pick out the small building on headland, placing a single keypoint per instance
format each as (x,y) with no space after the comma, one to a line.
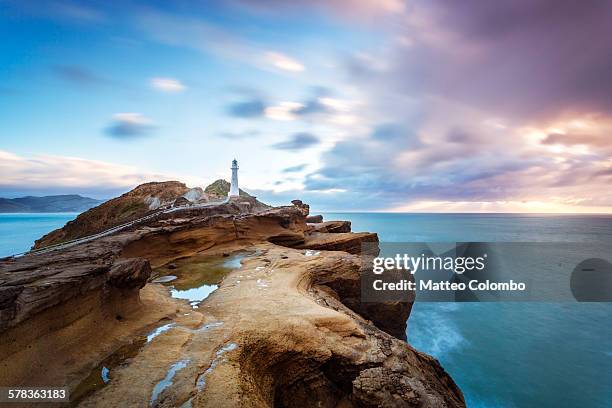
(246,202)
(234,191)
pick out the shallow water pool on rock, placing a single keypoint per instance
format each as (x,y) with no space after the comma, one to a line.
(192,279)
(195,278)
(101,375)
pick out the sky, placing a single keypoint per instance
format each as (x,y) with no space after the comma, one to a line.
(349,105)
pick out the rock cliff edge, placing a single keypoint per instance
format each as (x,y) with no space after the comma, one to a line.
(286,328)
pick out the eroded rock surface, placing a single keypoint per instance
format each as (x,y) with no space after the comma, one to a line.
(144,200)
(347,242)
(314,219)
(332,226)
(285,329)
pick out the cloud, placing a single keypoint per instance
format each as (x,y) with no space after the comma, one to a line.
(48,174)
(79,12)
(61,10)
(282,111)
(312,106)
(322,109)
(252,108)
(516,59)
(501,104)
(361,10)
(576,139)
(298,141)
(394,132)
(295,169)
(320,102)
(129,126)
(211,38)
(283,62)
(395,167)
(169,85)
(240,135)
(79,75)
(587,136)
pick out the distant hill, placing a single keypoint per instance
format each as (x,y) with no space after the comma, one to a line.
(54,203)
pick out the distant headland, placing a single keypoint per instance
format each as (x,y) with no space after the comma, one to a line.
(48,204)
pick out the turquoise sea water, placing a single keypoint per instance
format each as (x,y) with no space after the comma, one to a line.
(500,354)
(510,354)
(18,231)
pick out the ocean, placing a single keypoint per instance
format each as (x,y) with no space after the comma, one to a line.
(510,354)
(501,354)
(18,231)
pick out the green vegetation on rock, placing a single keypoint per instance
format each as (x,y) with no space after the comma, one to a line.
(221,188)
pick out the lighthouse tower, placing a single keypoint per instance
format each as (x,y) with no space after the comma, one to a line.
(234,191)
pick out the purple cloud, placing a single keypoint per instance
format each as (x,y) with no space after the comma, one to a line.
(521,59)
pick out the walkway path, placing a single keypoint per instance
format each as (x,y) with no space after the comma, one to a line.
(118,228)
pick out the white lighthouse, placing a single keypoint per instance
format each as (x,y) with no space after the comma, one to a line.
(234,191)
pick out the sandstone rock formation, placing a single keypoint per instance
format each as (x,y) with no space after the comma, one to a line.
(332,226)
(145,199)
(314,219)
(129,206)
(181,201)
(347,242)
(303,207)
(285,329)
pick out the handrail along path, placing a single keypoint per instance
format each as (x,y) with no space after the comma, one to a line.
(116,228)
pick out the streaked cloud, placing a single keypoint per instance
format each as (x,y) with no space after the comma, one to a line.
(247,134)
(283,62)
(129,125)
(48,174)
(170,85)
(465,109)
(298,141)
(214,39)
(361,10)
(79,75)
(311,107)
(282,111)
(591,132)
(252,108)
(547,206)
(295,169)
(59,10)
(78,12)
(503,58)
(418,105)
(494,170)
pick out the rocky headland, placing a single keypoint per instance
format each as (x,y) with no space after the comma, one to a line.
(283,326)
